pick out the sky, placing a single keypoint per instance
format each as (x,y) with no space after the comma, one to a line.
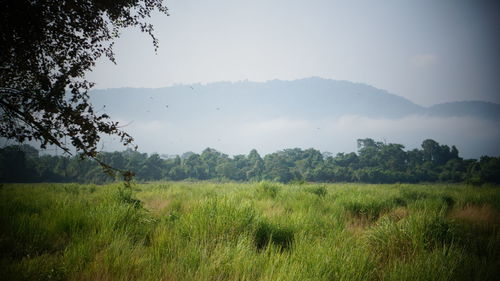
(426,51)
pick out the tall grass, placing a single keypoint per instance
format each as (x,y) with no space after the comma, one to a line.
(258,231)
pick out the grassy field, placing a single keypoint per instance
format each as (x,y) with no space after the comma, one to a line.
(259,231)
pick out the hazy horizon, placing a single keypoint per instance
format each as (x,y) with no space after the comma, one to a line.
(180,84)
(426,51)
(324,114)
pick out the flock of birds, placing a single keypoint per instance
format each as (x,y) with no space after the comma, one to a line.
(166,106)
(218,109)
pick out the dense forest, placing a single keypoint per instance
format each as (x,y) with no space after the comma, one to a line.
(375,162)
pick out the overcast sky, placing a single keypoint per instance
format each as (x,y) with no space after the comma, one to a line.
(427,51)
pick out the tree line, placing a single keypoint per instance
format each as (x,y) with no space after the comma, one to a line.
(374,162)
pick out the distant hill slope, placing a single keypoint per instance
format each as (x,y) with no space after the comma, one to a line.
(466,108)
(310,98)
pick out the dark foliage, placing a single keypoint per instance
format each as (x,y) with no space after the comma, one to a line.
(267,233)
(46,48)
(371,165)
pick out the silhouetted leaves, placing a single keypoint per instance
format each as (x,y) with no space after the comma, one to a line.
(47,46)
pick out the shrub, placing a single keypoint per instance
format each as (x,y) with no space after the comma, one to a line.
(269,189)
(448,200)
(439,232)
(318,190)
(125,196)
(369,209)
(217,220)
(267,233)
(411,195)
(390,240)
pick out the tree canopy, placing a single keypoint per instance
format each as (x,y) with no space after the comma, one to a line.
(47,46)
(375,163)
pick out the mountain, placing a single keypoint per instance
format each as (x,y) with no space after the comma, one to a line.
(480,109)
(325,114)
(310,98)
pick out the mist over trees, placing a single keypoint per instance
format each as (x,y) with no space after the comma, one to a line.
(309,112)
(374,162)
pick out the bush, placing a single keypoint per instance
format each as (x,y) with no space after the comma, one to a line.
(216,219)
(269,189)
(411,195)
(125,196)
(267,233)
(318,190)
(369,209)
(390,240)
(439,232)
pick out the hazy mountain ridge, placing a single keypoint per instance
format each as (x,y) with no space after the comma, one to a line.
(312,98)
(480,109)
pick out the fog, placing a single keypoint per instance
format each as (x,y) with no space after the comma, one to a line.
(427,52)
(472,136)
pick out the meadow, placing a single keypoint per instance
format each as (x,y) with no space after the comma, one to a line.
(249,231)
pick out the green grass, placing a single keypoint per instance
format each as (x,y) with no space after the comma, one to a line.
(259,231)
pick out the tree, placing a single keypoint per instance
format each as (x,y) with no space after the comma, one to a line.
(368,151)
(211,158)
(152,167)
(393,157)
(256,166)
(438,154)
(311,158)
(13,165)
(47,46)
(227,169)
(195,167)
(277,166)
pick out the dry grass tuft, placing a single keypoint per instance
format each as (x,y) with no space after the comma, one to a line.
(398,214)
(358,224)
(156,205)
(484,214)
(275,211)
